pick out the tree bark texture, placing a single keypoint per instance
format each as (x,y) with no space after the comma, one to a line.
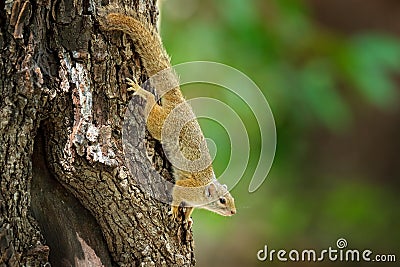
(67,197)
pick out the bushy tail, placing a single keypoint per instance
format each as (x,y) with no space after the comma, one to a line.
(147,41)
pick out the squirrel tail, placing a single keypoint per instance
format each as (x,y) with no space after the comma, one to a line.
(147,41)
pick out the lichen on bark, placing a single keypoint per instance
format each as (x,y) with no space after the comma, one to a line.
(67,196)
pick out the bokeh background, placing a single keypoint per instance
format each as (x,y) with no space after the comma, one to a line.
(330,70)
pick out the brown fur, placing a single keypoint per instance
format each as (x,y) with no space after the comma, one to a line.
(173,123)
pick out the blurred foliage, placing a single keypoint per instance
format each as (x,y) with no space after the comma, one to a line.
(313,78)
(298,64)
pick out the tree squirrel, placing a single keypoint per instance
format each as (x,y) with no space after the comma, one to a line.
(195,184)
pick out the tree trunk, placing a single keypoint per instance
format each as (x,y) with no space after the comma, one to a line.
(67,197)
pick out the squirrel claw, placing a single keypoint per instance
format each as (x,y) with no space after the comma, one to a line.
(134,86)
(174,212)
(131,81)
(186,219)
(189,221)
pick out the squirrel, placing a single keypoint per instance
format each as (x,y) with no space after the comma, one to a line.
(195,183)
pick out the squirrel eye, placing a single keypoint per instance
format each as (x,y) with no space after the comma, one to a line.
(222,200)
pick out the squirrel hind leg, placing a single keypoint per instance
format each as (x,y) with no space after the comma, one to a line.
(155,114)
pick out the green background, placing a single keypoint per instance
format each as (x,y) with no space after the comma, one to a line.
(330,70)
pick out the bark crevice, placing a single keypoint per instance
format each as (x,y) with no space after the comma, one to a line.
(66,193)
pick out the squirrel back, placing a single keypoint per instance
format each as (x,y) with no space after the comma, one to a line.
(181,126)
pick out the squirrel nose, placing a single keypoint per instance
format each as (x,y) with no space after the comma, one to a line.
(233,212)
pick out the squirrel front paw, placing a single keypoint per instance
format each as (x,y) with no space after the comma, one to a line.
(174,212)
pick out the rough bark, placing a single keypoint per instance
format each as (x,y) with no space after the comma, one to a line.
(67,196)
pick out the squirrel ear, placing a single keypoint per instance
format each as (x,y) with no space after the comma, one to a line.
(224,186)
(211,190)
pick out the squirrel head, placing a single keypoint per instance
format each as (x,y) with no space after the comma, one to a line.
(218,199)
(190,191)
